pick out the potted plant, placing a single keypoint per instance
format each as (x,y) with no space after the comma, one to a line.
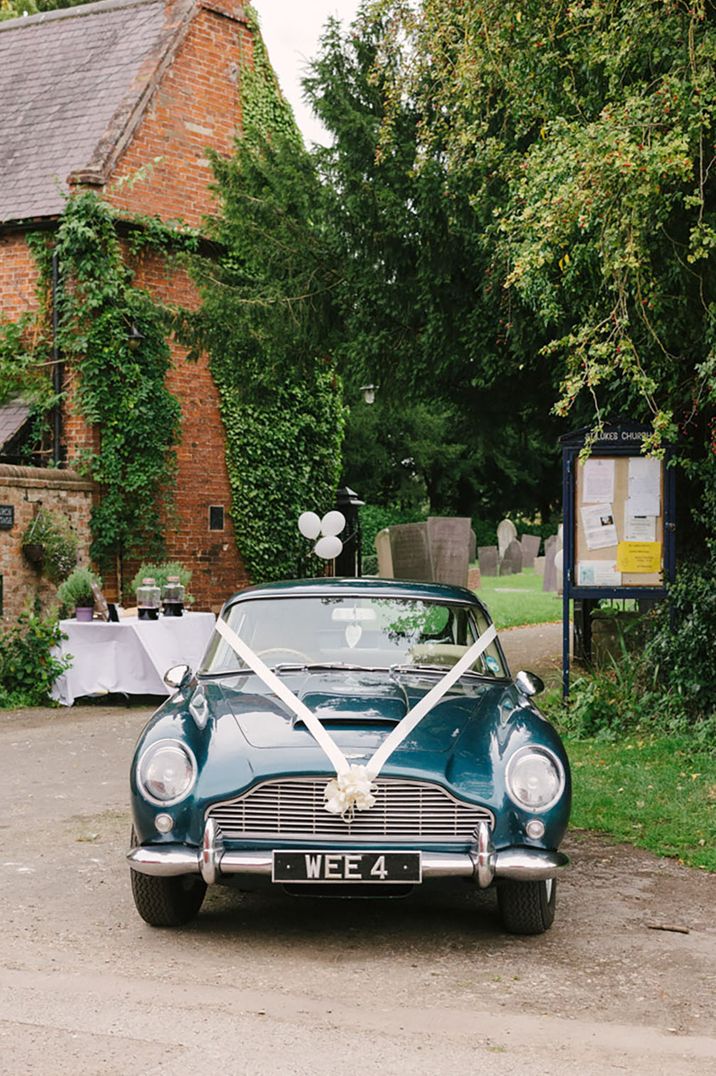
(76,593)
(50,545)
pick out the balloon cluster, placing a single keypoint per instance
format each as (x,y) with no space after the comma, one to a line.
(326,530)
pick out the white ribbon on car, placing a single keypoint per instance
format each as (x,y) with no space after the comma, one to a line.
(353,788)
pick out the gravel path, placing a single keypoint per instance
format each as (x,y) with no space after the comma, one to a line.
(535,648)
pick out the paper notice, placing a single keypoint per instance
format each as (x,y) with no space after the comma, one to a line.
(598,481)
(644,497)
(598,573)
(638,528)
(639,557)
(599,528)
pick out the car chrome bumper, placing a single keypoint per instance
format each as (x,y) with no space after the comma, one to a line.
(482,863)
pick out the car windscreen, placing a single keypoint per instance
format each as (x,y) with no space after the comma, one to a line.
(364,632)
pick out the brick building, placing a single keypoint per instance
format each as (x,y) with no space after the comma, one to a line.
(91,95)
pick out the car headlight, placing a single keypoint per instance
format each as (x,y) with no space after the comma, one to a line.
(535,778)
(166,772)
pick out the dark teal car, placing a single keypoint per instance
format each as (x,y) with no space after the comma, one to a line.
(429,761)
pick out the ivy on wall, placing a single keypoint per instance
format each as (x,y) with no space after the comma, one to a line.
(280,396)
(118,388)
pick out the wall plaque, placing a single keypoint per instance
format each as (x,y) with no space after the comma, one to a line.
(7,517)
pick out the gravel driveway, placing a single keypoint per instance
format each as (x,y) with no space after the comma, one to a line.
(269,984)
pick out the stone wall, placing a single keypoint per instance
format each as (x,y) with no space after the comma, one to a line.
(28,489)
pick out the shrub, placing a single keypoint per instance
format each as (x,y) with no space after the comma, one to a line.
(28,669)
(76,591)
(160,573)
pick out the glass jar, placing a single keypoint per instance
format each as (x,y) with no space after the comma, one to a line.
(173,597)
(148,600)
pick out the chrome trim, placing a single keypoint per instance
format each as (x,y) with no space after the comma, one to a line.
(482,855)
(138,771)
(535,750)
(529,864)
(292,809)
(212,849)
(522,864)
(164,861)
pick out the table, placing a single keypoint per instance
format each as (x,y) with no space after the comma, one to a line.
(129,657)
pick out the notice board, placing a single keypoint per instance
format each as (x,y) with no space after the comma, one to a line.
(619,522)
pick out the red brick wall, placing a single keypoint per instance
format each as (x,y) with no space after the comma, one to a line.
(18,277)
(195,106)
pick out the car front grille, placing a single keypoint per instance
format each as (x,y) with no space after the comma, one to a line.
(294,810)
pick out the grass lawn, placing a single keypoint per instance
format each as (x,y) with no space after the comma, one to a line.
(657,793)
(514,600)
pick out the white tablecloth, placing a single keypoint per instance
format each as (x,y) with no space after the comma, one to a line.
(129,657)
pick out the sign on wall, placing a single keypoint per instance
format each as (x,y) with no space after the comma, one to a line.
(7,517)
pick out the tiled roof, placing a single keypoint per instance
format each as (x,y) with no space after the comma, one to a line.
(73,84)
(13,417)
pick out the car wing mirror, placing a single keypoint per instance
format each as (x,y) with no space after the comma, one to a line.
(177,677)
(529,683)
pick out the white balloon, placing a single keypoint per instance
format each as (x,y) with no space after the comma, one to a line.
(332,524)
(328,547)
(309,525)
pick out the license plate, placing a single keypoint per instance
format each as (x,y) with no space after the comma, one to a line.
(346,867)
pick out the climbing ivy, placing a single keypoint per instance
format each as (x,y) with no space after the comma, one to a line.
(120,390)
(280,396)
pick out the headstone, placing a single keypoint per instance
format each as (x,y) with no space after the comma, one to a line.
(449,541)
(487,556)
(473,579)
(506,533)
(410,552)
(385,559)
(558,569)
(512,560)
(530,548)
(560,537)
(549,581)
(539,565)
(473,546)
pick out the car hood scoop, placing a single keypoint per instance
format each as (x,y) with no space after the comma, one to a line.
(358,711)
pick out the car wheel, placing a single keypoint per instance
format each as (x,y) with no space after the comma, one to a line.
(167,902)
(527,907)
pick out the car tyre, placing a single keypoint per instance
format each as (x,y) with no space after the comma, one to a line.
(167,902)
(527,907)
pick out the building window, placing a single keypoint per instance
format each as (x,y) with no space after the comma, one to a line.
(216,517)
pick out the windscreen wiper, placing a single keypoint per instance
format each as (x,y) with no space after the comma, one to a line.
(441,669)
(325,666)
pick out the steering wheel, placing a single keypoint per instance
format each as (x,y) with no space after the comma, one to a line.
(283,650)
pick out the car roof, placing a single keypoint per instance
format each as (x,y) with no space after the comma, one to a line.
(369,586)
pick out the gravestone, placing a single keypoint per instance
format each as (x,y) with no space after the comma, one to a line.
(473,546)
(410,552)
(487,556)
(473,579)
(530,548)
(549,581)
(560,537)
(512,560)
(385,559)
(539,565)
(449,542)
(558,570)
(506,533)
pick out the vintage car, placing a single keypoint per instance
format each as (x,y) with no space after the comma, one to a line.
(350,736)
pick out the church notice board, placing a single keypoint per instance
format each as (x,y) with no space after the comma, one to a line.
(619,514)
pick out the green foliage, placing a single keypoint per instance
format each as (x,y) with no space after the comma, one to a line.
(13,9)
(657,792)
(76,591)
(53,532)
(160,573)
(27,667)
(266,321)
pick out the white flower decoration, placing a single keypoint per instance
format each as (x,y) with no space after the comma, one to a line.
(350,792)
